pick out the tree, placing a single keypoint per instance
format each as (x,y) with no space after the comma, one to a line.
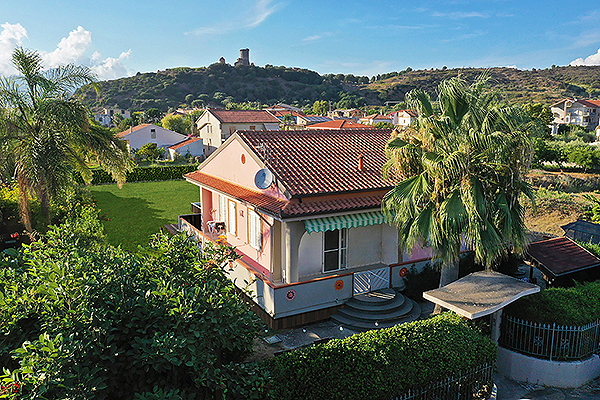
(46,133)
(320,107)
(462,167)
(177,123)
(150,152)
(152,115)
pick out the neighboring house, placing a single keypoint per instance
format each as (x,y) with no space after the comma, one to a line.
(577,112)
(105,118)
(301,120)
(338,124)
(308,120)
(404,118)
(353,113)
(139,135)
(216,125)
(283,107)
(374,119)
(303,210)
(192,146)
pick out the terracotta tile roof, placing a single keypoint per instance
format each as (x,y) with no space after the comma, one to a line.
(254,197)
(133,129)
(317,162)
(282,113)
(243,116)
(339,124)
(293,209)
(184,143)
(587,103)
(376,116)
(561,256)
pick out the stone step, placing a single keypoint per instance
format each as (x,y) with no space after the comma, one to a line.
(361,326)
(379,297)
(383,314)
(397,302)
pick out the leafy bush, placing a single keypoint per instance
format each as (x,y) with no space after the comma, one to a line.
(79,319)
(418,282)
(381,364)
(150,151)
(576,305)
(138,174)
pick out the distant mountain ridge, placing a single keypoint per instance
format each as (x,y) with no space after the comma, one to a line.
(221,83)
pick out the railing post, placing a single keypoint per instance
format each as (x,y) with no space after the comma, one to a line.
(552,341)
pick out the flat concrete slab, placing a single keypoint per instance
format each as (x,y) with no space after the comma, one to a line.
(480,293)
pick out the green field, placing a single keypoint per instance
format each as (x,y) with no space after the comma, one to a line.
(140,209)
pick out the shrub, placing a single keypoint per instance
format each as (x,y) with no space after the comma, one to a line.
(137,174)
(380,364)
(85,320)
(576,305)
(418,282)
(150,151)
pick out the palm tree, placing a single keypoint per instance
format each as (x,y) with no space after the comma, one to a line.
(45,133)
(461,168)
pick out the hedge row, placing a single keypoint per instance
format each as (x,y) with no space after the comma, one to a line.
(381,364)
(576,305)
(137,174)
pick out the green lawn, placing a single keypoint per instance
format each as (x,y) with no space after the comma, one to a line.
(141,209)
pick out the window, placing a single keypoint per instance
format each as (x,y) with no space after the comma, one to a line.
(254,230)
(252,127)
(335,246)
(231,218)
(223,209)
(152,133)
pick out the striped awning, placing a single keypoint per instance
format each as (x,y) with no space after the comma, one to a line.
(345,221)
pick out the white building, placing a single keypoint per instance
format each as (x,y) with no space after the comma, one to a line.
(139,135)
(577,112)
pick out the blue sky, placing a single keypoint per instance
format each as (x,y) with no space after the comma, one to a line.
(120,38)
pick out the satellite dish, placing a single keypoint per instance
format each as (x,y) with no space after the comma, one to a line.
(263,178)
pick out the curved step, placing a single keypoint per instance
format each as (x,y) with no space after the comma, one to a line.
(378,297)
(361,326)
(397,302)
(382,314)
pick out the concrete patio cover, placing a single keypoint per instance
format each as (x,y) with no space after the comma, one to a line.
(480,293)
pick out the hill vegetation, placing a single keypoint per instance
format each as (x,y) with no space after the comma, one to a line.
(220,84)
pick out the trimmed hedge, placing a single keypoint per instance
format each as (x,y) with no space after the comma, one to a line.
(381,364)
(137,174)
(576,305)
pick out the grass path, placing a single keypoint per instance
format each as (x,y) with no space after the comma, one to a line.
(140,209)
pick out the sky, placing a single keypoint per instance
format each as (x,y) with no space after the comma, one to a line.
(120,38)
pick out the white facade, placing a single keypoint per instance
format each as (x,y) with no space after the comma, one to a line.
(194,148)
(140,135)
(577,112)
(403,118)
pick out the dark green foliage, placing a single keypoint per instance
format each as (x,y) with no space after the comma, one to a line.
(144,174)
(576,305)
(83,320)
(421,281)
(150,152)
(380,364)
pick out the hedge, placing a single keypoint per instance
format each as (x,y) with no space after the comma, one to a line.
(381,364)
(137,174)
(576,305)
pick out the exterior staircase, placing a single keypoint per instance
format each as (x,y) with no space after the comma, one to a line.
(376,310)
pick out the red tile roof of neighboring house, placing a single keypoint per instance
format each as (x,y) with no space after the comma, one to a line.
(561,256)
(131,130)
(376,116)
(339,124)
(587,103)
(243,116)
(317,162)
(184,143)
(282,113)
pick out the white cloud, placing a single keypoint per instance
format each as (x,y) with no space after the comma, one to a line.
(110,68)
(594,59)
(70,50)
(250,17)
(460,15)
(11,36)
(312,38)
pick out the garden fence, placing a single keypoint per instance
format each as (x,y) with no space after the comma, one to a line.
(474,383)
(550,341)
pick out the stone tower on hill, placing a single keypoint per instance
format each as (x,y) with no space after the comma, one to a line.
(244,57)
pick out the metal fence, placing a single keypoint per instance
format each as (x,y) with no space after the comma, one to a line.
(475,383)
(550,341)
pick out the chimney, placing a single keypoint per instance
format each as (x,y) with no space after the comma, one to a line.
(361,162)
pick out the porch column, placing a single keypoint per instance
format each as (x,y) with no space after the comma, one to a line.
(292,234)
(496,321)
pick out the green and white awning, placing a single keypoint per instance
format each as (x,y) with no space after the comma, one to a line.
(345,221)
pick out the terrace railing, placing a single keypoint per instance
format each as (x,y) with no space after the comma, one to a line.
(475,383)
(550,341)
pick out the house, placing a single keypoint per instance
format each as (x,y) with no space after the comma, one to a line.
(137,136)
(576,111)
(105,118)
(301,120)
(404,118)
(192,146)
(353,113)
(338,124)
(303,210)
(216,125)
(374,119)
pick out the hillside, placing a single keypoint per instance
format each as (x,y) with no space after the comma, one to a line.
(222,83)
